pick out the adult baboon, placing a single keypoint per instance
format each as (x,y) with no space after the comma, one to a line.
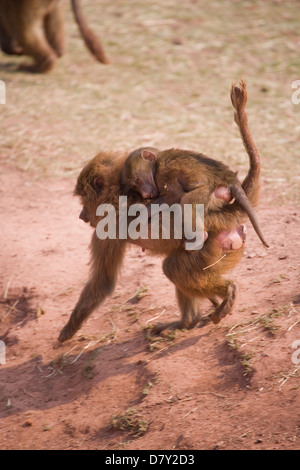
(194,276)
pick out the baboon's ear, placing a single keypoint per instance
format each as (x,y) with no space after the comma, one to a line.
(98,184)
(149,156)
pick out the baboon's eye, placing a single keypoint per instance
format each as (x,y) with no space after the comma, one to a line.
(98,184)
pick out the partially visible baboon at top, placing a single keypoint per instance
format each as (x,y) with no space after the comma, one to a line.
(36,28)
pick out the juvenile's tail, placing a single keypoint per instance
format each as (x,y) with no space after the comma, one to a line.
(90,39)
(243,201)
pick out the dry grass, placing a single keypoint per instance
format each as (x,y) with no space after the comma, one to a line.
(168,85)
(131,422)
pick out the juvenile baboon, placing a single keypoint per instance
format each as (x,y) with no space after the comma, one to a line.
(36,28)
(194,276)
(180,176)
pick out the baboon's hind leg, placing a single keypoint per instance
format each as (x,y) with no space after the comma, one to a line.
(189,314)
(55,30)
(8,43)
(35,45)
(228,290)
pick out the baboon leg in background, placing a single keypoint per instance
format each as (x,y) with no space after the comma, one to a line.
(35,44)
(8,43)
(55,30)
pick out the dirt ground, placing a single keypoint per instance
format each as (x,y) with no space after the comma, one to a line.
(230,386)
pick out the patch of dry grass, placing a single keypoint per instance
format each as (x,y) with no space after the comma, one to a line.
(130,421)
(168,85)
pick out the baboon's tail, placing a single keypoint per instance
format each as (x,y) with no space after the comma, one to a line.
(243,201)
(90,39)
(239,99)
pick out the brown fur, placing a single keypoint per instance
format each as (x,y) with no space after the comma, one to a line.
(36,28)
(194,275)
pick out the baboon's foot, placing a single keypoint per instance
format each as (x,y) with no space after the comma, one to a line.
(176,325)
(66,333)
(43,66)
(203,321)
(226,306)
